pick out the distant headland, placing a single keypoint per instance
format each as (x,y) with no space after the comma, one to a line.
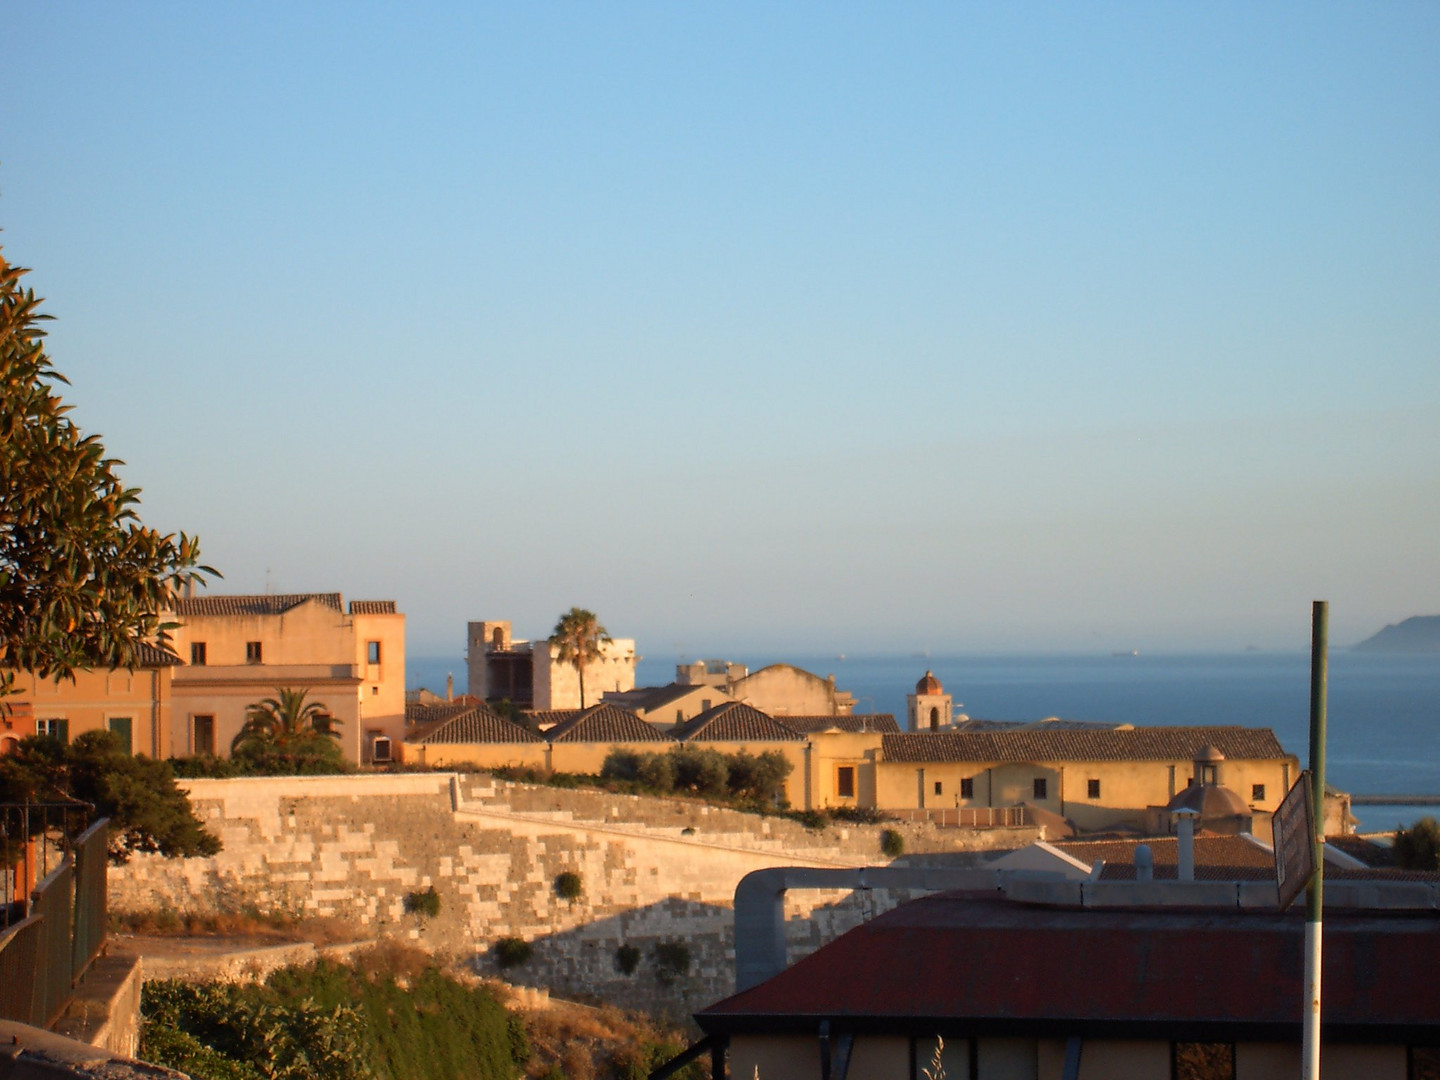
(1417,634)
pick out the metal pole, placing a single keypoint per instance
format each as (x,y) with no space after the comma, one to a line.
(1315,892)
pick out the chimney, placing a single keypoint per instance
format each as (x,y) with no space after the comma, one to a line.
(1185,844)
(449,687)
(1144,863)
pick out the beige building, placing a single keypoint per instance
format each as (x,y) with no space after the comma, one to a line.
(786,690)
(668,706)
(242,649)
(929,708)
(135,705)
(527,673)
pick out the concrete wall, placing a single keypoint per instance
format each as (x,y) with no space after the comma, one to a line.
(653,870)
(557,685)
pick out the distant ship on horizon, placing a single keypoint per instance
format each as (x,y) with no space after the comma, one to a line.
(1132,652)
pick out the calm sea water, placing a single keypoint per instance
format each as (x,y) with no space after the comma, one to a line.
(1383,711)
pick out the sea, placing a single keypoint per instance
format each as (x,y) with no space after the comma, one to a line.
(1383,712)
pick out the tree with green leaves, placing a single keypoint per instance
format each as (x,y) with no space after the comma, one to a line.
(82,582)
(286,735)
(1418,847)
(579,639)
(147,811)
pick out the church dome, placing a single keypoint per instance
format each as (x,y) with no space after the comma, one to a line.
(1209,801)
(929,685)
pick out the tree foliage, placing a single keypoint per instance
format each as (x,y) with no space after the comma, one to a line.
(82,582)
(1418,847)
(147,811)
(287,736)
(744,778)
(579,639)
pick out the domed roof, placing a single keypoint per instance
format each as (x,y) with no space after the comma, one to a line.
(929,685)
(1209,801)
(1209,752)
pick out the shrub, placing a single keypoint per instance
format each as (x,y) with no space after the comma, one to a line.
(568,886)
(892,844)
(672,959)
(512,951)
(627,959)
(701,772)
(812,819)
(1418,847)
(620,765)
(425,902)
(657,772)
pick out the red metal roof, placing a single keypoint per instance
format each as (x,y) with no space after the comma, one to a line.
(958,961)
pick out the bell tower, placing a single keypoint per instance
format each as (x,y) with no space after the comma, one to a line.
(929,706)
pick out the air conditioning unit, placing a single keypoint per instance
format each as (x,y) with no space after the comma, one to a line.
(380,749)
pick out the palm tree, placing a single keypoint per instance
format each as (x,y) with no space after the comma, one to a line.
(286,719)
(579,639)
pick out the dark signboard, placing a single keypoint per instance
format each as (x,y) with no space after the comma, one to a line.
(1294,828)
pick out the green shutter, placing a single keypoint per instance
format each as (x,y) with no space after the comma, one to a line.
(120,725)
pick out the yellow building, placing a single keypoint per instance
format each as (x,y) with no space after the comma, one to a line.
(135,705)
(242,649)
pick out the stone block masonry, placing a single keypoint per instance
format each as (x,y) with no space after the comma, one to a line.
(652,872)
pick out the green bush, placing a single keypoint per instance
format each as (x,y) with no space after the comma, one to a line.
(672,960)
(425,902)
(892,843)
(812,819)
(568,886)
(512,951)
(627,959)
(1418,847)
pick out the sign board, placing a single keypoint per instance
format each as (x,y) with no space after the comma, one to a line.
(1294,828)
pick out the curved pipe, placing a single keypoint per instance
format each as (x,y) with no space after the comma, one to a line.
(760,904)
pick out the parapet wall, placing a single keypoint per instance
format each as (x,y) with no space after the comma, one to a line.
(652,871)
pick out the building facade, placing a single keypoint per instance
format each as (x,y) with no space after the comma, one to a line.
(528,673)
(239,650)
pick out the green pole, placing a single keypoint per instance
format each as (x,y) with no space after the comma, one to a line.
(1315,892)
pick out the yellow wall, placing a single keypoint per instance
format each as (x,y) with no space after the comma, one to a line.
(782,690)
(479,755)
(588,757)
(94,698)
(829,752)
(1126,787)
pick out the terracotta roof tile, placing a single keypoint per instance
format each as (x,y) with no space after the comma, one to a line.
(806,725)
(476,724)
(421,713)
(549,718)
(605,723)
(1126,744)
(372,607)
(267,604)
(733,721)
(154,656)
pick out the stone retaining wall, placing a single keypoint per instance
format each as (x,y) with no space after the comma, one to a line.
(652,871)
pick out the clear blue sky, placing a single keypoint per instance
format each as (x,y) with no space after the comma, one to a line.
(804,327)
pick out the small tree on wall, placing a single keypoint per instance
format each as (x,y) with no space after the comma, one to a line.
(579,639)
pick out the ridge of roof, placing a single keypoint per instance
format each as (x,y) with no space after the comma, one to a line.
(476,724)
(735,721)
(605,723)
(253,604)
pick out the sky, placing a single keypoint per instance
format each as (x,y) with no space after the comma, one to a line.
(986,328)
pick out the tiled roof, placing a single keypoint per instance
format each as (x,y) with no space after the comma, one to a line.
(268,604)
(655,697)
(1217,858)
(549,718)
(1131,744)
(154,656)
(733,721)
(372,607)
(605,723)
(476,724)
(806,725)
(417,713)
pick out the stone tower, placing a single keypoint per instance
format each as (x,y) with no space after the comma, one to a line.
(929,706)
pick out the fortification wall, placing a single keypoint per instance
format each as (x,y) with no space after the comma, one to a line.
(652,871)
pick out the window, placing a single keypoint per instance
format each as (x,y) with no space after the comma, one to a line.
(1041,788)
(704,704)
(1257,792)
(1092,789)
(202,737)
(1209,774)
(197,653)
(55,726)
(679,716)
(934,718)
(123,729)
(845,781)
(380,748)
(939,788)
(252,652)
(967,787)
(374,691)
(372,652)
(324,723)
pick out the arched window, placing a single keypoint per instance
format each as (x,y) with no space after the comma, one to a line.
(497,639)
(934,718)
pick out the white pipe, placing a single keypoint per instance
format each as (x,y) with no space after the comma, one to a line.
(1310,1043)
